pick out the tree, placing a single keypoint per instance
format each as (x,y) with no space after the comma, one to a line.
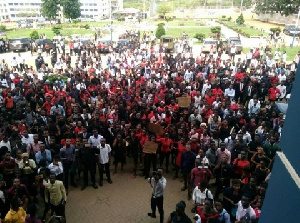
(34,35)
(71,9)
(49,8)
(163,9)
(284,7)
(160,31)
(240,20)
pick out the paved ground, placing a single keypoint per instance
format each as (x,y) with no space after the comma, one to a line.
(126,200)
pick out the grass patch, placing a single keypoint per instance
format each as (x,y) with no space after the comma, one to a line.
(49,33)
(291,52)
(191,31)
(244,29)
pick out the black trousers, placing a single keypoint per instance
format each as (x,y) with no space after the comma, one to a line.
(59,210)
(101,168)
(86,170)
(67,167)
(164,155)
(159,203)
(150,158)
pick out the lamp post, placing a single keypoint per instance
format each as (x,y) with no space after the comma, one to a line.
(111,31)
(241,9)
(296,27)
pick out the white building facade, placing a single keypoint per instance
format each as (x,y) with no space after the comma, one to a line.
(16,10)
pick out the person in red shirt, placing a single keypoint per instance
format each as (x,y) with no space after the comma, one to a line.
(273,93)
(166,145)
(239,164)
(180,149)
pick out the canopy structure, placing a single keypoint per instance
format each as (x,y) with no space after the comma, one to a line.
(281,203)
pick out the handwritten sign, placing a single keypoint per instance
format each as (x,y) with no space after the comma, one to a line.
(184,102)
(150,147)
(156,128)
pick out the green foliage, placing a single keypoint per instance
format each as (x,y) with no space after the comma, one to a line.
(86,26)
(75,21)
(161,24)
(240,20)
(56,30)
(223,16)
(284,7)
(229,19)
(164,8)
(2,28)
(71,9)
(216,29)
(200,37)
(34,35)
(49,8)
(121,19)
(275,29)
(54,77)
(160,31)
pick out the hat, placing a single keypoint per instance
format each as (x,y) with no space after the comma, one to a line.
(25,155)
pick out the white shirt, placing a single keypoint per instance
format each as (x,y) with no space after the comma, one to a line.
(199,196)
(229,92)
(2,197)
(104,153)
(95,141)
(158,187)
(56,169)
(241,212)
(7,144)
(28,140)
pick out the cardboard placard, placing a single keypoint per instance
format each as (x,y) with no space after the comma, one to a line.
(184,102)
(156,128)
(150,147)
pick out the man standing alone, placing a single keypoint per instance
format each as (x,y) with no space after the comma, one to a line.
(104,161)
(158,184)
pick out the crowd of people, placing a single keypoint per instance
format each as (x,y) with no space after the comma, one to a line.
(54,132)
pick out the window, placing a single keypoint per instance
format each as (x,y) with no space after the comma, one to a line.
(90,4)
(95,10)
(86,10)
(82,10)
(16,4)
(95,4)
(10,4)
(21,4)
(11,9)
(13,15)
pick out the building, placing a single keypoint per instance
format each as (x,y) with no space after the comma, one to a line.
(16,10)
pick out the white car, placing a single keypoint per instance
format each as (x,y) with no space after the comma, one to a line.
(209,45)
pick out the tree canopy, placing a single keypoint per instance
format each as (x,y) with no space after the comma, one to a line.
(284,7)
(49,8)
(71,9)
(164,8)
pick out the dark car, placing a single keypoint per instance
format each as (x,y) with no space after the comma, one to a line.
(20,44)
(291,30)
(105,46)
(42,42)
(121,45)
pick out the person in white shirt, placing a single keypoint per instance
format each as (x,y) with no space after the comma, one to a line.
(56,168)
(282,89)
(104,161)
(95,139)
(26,138)
(245,212)
(5,142)
(230,92)
(200,193)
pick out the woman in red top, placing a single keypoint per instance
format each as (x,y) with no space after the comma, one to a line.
(239,164)
(207,211)
(180,149)
(166,145)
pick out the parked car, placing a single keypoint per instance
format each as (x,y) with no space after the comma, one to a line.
(233,40)
(42,42)
(20,44)
(168,42)
(105,46)
(209,45)
(121,44)
(291,29)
